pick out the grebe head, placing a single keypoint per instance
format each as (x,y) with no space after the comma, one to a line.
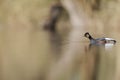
(87,35)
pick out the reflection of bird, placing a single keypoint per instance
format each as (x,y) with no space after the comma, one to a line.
(99,41)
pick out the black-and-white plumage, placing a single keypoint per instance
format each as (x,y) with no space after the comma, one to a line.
(100,41)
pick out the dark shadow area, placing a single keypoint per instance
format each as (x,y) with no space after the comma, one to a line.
(96,5)
(54,15)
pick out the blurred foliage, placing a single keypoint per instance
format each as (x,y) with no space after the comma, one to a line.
(31,10)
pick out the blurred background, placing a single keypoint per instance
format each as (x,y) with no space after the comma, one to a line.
(44,39)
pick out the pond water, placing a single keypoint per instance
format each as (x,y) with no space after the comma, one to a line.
(33,54)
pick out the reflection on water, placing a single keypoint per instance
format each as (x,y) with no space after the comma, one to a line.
(42,55)
(55,42)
